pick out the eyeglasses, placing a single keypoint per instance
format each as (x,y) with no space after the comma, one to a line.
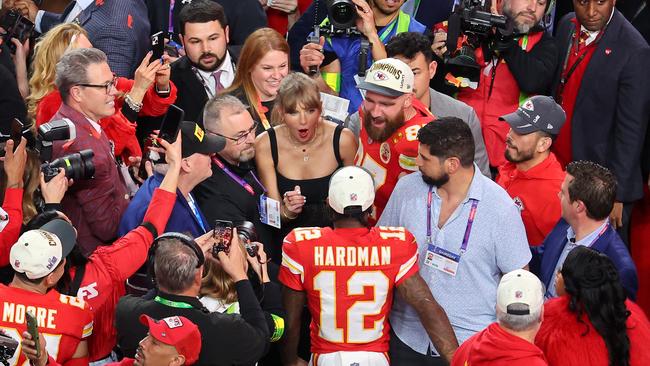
(240,138)
(107,85)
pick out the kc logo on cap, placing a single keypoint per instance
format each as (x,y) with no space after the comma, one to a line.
(390,77)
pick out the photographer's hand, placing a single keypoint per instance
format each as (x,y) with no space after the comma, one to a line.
(366,21)
(54,190)
(145,75)
(259,263)
(14,163)
(20,61)
(28,348)
(439,46)
(234,263)
(173,159)
(205,242)
(311,54)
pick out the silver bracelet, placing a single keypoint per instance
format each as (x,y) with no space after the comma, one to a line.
(132,104)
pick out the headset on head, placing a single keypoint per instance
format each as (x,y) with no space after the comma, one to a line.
(184,239)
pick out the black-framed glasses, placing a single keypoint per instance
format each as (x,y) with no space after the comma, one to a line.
(107,85)
(241,137)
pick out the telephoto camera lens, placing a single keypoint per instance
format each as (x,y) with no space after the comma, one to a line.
(342,13)
(77,166)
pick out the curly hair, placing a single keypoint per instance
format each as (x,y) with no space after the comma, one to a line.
(594,288)
(47,52)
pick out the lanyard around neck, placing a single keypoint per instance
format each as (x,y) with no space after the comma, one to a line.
(173,304)
(468,227)
(239,180)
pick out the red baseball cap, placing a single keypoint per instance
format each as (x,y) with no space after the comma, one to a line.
(177,331)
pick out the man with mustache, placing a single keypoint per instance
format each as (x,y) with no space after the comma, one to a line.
(603,87)
(516,66)
(469,233)
(390,118)
(208,65)
(533,176)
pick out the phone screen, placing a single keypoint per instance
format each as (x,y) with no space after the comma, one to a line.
(16,132)
(171,123)
(223,234)
(157,46)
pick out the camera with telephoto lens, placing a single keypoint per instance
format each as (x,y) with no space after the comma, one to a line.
(470,26)
(248,236)
(77,166)
(15,26)
(8,347)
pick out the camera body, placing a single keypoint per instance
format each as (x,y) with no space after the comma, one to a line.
(16,26)
(8,347)
(471,26)
(77,166)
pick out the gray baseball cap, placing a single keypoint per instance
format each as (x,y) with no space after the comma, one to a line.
(538,113)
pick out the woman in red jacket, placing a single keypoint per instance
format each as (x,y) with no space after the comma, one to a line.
(149,94)
(592,323)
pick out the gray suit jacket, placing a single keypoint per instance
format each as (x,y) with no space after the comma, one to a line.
(445,106)
(120,28)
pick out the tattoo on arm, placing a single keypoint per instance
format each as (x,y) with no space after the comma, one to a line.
(433,317)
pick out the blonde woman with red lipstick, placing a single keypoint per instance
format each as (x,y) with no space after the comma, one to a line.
(296,157)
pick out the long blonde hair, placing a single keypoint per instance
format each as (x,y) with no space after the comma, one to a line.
(47,52)
(218,284)
(258,44)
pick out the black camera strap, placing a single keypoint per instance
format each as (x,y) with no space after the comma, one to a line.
(79,273)
(575,43)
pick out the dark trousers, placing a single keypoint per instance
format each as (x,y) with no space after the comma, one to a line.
(402,355)
(624,231)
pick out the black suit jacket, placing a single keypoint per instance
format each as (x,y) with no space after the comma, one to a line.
(191,93)
(611,110)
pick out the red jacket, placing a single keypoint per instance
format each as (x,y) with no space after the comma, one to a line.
(504,99)
(109,267)
(567,342)
(117,127)
(535,193)
(95,205)
(495,347)
(13,206)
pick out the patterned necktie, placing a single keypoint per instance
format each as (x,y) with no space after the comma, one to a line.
(584,35)
(217,81)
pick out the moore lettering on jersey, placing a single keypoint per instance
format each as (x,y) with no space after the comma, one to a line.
(15,313)
(351,256)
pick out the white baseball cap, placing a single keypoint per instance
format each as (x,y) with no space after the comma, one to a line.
(351,190)
(38,252)
(520,287)
(390,77)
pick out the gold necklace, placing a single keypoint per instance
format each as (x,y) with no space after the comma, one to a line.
(304,147)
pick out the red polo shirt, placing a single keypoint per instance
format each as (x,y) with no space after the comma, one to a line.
(562,145)
(535,191)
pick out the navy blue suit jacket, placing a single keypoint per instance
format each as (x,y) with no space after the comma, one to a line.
(120,28)
(181,220)
(613,103)
(609,243)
